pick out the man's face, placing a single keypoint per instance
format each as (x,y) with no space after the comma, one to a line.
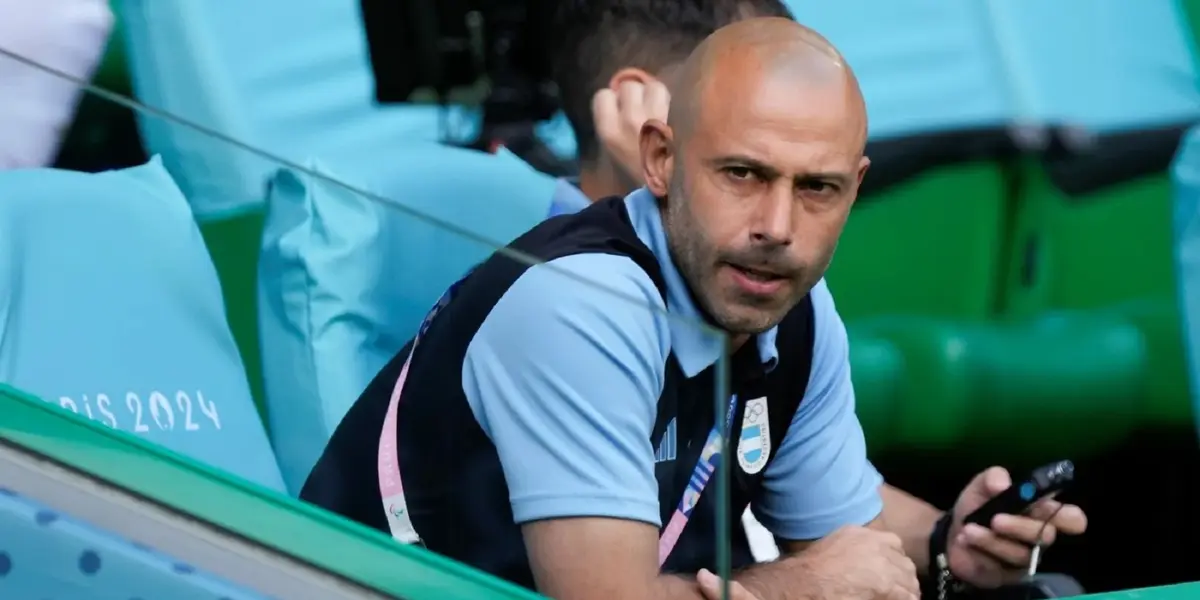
(759,190)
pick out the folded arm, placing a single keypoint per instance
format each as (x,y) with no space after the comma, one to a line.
(595,559)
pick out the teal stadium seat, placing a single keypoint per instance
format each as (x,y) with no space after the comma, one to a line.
(110,308)
(345,279)
(1187,253)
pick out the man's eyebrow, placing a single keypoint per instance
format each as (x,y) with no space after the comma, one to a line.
(739,160)
(769,172)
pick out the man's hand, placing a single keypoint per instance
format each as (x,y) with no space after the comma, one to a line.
(857,563)
(618,115)
(989,558)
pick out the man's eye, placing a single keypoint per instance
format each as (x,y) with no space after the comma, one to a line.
(819,187)
(739,173)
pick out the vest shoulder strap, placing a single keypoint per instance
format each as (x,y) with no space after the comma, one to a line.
(788,382)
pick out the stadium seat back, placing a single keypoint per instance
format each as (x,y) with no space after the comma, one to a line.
(345,280)
(110,308)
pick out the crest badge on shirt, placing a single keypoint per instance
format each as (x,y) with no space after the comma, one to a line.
(754,445)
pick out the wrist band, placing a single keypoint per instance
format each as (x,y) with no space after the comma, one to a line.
(939,540)
(943,584)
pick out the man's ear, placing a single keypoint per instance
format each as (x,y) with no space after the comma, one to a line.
(864,163)
(657,145)
(627,74)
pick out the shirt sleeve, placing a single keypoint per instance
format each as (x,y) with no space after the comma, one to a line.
(820,479)
(564,377)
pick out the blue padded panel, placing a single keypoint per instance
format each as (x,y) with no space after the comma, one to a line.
(293,80)
(110,307)
(1186,176)
(924,65)
(48,555)
(344,280)
(1106,65)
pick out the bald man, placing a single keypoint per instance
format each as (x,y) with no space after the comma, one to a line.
(636,93)
(554,425)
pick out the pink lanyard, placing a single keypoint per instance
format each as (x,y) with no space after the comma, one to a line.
(710,458)
(391,490)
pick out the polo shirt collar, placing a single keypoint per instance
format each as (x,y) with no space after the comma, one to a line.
(696,347)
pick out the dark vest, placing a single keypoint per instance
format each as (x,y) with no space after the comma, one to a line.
(454,484)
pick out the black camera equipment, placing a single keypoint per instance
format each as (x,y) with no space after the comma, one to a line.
(448,44)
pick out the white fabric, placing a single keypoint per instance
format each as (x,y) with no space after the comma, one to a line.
(36,107)
(762,543)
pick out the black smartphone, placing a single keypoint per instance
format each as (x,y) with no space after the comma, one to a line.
(1042,482)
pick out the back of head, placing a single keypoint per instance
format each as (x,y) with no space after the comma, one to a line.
(594,39)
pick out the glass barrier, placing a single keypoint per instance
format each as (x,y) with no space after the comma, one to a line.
(252,279)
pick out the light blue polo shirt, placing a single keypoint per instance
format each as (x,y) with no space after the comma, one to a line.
(570,404)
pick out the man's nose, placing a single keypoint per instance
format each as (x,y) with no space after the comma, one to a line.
(773,224)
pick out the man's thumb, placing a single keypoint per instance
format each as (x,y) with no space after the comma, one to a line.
(710,584)
(993,481)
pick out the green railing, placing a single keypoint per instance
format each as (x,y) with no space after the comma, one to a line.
(301,537)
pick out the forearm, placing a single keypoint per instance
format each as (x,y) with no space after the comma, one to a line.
(785,579)
(913,520)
